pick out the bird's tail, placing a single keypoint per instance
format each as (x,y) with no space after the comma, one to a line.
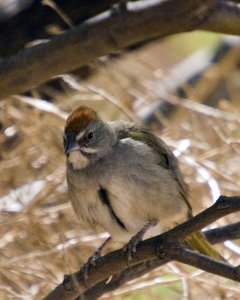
(198,242)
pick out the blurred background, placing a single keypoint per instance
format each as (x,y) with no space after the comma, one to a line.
(186,88)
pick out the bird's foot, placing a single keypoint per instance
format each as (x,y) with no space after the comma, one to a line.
(90,262)
(92,259)
(131,247)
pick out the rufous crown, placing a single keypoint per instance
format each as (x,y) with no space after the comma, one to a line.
(79,118)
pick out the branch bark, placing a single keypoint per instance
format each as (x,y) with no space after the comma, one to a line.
(119,279)
(226,11)
(107,33)
(217,235)
(33,18)
(159,250)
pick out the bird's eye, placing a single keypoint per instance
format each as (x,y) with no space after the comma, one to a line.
(90,136)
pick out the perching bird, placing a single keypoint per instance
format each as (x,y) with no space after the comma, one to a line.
(123,179)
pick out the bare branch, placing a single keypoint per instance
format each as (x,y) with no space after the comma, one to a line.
(206,263)
(224,17)
(164,247)
(119,279)
(219,235)
(19,18)
(107,33)
(222,207)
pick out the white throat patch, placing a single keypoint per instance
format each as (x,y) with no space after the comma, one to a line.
(77,160)
(89,150)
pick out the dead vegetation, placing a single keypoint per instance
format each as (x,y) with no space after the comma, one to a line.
(40,238)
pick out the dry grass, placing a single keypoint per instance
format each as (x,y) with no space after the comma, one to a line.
(40,238)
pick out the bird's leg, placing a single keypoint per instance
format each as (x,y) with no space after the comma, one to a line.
(92,259)
(130,247)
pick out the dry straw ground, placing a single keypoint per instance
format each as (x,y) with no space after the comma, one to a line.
(40,238)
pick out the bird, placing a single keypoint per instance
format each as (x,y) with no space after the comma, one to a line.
(123,179)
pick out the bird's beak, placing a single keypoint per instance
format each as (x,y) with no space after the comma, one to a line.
(71,146)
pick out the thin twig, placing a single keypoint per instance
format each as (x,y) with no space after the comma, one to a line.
(203,109)
(205,263)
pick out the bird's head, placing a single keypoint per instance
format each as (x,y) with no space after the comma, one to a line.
(86,137)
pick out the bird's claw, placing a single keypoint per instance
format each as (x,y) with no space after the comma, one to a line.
(90,262)
(131,247)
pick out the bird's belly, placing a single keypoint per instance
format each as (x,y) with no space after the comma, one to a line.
(137,203)
(125,236)
(95,215)
(135,200)
(136,212)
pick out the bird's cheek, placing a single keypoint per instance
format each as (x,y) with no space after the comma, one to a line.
(78,160)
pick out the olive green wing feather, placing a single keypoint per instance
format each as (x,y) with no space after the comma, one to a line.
(168,161)
(166,158)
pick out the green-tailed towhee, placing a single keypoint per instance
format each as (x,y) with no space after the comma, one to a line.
(123,179)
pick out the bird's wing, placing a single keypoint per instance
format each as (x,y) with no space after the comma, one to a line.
(166,158)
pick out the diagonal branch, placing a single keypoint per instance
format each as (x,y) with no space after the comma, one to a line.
(34,18)
(217,235)
(205,263)
(224,17)
(222,207)
(165,247)
(119,279)
(107,33)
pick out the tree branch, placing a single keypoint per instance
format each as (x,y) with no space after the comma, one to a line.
(217,235)
(165,247)
(224,17)
(33,18)
(106,33)
(119,279)
(205,263)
